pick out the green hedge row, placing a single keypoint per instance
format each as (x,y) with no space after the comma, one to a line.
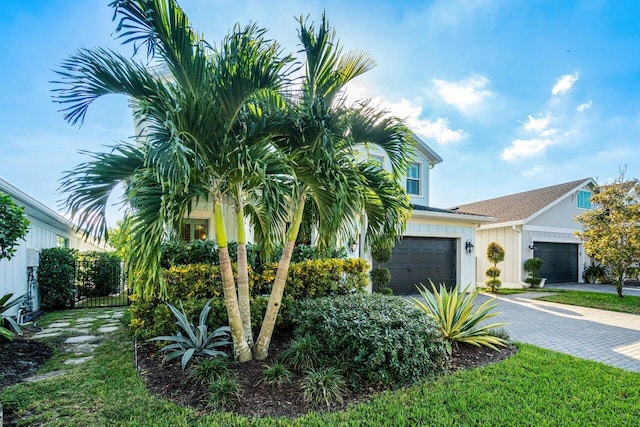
(196,283)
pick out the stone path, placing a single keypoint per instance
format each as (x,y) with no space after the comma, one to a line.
(603,336)
(80,342)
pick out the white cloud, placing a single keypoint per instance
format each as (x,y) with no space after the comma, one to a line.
(584,106)
(537,125)
(465,95)
(564,83)
(437,130)
(525,148)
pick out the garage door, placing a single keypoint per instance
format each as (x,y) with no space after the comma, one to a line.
(417,259)
(559,261)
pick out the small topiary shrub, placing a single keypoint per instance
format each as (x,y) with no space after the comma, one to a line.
(377,339)
(495,254)
(56,278)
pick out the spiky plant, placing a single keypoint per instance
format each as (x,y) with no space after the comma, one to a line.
(4,306)
(458,317)
(276,375)
(196,340)
(325,385)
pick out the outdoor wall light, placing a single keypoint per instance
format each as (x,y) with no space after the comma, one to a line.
(353,246)
(532,246)
(468,247)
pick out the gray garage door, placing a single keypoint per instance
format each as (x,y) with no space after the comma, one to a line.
(559,261)
(417,259)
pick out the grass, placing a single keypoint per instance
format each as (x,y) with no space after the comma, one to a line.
(628,304)
(535,387)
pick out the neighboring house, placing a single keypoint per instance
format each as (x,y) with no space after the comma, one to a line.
(438,244)
(538,223)
(47,229)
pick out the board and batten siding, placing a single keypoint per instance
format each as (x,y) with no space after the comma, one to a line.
(510,239)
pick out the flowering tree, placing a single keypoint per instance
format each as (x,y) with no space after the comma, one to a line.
(611,231)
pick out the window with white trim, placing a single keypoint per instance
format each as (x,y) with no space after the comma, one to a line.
(584,199)
(62,242)
(194,229)
(413,178)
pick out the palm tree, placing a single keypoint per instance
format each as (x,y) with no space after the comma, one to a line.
(204,122)
(320,138)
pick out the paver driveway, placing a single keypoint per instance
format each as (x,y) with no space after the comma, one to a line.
(600,335)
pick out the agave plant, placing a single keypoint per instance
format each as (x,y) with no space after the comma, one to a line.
(4,306)
(196,340)
(458,317)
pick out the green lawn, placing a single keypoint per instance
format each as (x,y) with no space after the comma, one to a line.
(535,387)
(628,304)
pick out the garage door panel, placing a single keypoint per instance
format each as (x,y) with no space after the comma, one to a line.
(559,261)
(415,260)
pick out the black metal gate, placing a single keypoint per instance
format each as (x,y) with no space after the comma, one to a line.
(100,283)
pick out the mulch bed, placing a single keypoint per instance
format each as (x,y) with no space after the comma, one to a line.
(20,359)
(261,400)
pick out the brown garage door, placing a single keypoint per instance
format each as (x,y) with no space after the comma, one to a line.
(417,259)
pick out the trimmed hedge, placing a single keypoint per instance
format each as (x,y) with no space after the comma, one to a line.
(195,284)
(56,278)
(374,339)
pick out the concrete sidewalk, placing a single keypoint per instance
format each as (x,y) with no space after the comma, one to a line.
(603,336)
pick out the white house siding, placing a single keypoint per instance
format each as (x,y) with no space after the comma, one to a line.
(423,227)
(204,210)
(510,239)
(560,216)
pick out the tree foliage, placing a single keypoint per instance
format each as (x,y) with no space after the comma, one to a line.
(611,230)
(13,226)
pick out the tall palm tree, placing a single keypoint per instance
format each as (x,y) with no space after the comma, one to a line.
(204,124)
(320,139)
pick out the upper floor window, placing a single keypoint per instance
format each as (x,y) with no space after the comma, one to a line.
(413,178)
(584,199)
(194,229)
(62,242)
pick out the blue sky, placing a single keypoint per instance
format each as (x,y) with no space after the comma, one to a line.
(513,95)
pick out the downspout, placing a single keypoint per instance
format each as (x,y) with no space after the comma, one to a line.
(522,284)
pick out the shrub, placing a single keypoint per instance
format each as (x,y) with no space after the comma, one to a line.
(380,277)
(276,375)
(324,385)
(381,254)
(98,274)
(595,273)
(13,226)
(5,305)
(495,254)
(303,353)
(56,278)
(317,278)
(303,252)
(224,392)
(458,317)
(196,341)
(377,339)
(384,290)
(532,266)
(209,369)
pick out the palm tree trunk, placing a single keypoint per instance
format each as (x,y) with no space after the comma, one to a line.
(243,279)
(261,350)
(240,346)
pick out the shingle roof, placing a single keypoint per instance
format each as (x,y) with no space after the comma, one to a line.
(520,206)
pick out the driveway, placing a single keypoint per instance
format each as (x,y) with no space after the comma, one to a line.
(603,336)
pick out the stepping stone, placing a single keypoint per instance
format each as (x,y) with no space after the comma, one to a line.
(47,376)
(81,331)
(46,334)
(78,361)
(118,315)
(59,325)
(104,316)
(85,319)
(81,339)
(80,349)
(107,329)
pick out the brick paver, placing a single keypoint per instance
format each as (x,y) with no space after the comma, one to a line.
(604,336)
